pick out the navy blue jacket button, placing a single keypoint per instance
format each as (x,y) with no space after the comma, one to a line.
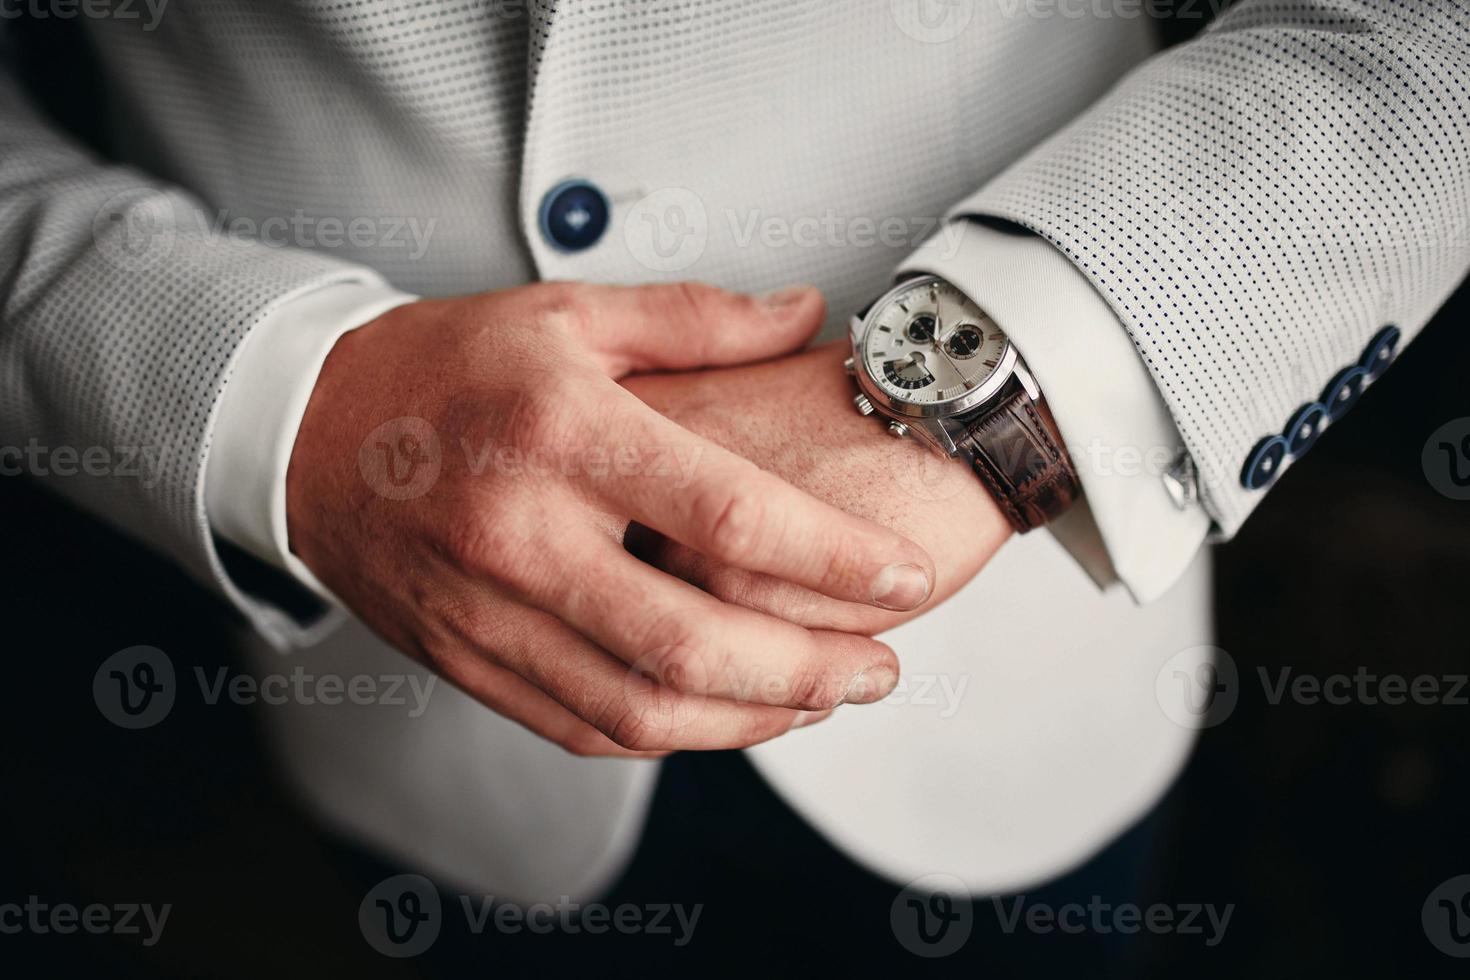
(574,215)
(1379,353)
(1343,391)
(1304,428)
(1263,463)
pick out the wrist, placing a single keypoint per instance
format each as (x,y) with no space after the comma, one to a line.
(934,366)
(265,399)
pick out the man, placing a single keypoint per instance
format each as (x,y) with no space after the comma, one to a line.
(538,488)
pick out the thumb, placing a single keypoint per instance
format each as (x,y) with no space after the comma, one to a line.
(685,326)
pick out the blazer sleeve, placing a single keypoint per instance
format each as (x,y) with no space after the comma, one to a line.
(1271,209)
(121,315)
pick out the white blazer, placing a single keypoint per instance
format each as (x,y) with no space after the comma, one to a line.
(1260,218)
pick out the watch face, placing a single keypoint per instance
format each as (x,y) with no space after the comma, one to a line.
(928,344)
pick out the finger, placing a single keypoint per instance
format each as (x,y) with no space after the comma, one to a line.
(683,326)
(728,508)
(507,694)
(629,708)
(693,643)
(753,590)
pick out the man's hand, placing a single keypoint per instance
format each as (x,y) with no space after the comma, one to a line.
(466,471)
(795,418)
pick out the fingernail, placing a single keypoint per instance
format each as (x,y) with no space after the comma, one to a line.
(784,298)
(869,686)
(901,587)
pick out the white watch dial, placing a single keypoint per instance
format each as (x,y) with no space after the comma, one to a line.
(930,344)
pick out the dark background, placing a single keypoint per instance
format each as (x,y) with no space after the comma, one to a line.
(1327,826)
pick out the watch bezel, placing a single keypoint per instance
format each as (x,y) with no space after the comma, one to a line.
(892,405)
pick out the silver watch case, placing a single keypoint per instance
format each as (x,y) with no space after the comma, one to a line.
(940,426)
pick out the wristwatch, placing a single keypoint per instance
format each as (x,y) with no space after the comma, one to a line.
(927,358)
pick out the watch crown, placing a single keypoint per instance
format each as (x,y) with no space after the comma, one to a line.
(849,366)
(864,406)
(897,429)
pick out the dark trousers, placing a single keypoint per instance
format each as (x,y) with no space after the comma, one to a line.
(775,898)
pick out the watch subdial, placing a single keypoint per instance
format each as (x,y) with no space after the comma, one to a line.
(964,343)
(921,328)
(909,372)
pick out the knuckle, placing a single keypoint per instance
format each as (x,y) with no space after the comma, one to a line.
(733,519)
(466,620)
(815,689)
(697,302)
(841,566)
(564,307)
(447,655)
(691,300)
(630,728)
(548,414)
(486,544)
(682,657)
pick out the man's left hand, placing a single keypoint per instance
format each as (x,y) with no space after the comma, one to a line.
(795,418)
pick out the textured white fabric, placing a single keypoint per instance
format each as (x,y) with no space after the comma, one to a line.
(1257,204)
(1291,179)
(261,412)
(1115,425)
(1004,760)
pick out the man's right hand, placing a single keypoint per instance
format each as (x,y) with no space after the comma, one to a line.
(466,471)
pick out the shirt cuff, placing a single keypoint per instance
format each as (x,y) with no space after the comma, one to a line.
(1111,416)
(264,402)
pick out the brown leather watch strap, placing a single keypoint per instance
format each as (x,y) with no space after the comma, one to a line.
(1020,458)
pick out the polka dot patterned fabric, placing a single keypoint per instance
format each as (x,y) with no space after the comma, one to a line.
(1256,205)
